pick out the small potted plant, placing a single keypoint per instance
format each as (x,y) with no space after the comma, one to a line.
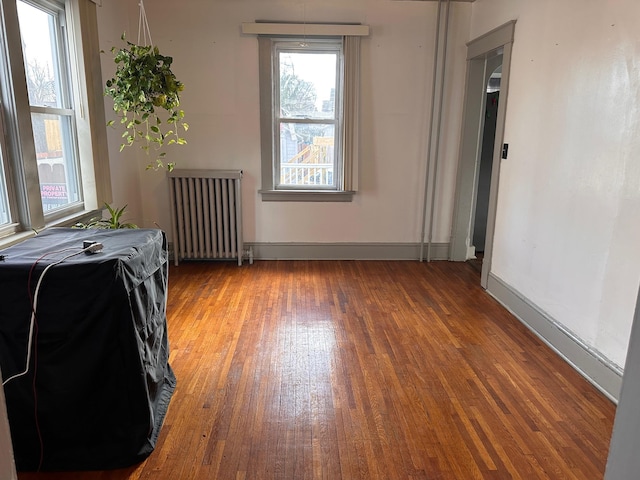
(113,222)
(145,96)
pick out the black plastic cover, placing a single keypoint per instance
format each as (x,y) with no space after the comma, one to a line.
(99,382)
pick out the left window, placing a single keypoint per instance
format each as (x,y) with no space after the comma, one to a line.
(47,79)
(46,60)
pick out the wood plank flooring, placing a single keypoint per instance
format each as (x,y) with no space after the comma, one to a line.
(362,370)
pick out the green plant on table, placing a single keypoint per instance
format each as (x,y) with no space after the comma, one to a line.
(113,222)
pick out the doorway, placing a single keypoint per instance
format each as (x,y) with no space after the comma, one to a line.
(485,162)
(477,184)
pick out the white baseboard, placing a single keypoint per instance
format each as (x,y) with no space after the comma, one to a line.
(345,251)
(591,364)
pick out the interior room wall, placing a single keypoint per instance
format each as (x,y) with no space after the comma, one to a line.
(567,218)
(114,19)
(219,67)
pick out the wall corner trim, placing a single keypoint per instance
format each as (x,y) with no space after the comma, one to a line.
(592,365)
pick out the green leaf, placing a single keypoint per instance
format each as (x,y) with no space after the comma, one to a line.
(144,82)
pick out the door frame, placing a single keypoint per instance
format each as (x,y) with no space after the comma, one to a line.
(499,39)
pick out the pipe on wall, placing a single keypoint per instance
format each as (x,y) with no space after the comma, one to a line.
(437,98)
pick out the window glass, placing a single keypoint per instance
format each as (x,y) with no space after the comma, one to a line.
(306,154)
(46,66)
(307,84)
(5,216)
(307,117)
(5,209)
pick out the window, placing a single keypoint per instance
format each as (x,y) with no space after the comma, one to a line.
(309,86)
(4,199)
(54,140)
(307,114)
(44,47)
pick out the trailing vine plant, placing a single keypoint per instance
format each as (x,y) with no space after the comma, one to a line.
(142,88)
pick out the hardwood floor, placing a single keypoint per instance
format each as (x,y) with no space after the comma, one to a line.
(363,370)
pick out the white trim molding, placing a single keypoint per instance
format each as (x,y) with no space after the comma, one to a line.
(344,251)
(591,364)
(310,29)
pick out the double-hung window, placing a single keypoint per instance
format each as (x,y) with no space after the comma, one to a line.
(46,61)
(53,151)
(307,114)
(309,90)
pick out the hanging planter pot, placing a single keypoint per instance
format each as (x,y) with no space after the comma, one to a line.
(146,97)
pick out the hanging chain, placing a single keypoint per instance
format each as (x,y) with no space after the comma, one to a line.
(143,27)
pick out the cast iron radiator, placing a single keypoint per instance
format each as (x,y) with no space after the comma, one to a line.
(206,214)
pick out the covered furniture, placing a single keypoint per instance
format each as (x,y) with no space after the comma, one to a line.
(99,382)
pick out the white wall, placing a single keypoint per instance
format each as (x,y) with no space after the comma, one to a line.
(126,168)
(219,67)
(568,219)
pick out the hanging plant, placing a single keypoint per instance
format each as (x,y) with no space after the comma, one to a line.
(146,97)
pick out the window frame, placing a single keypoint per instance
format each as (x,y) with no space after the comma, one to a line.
(18,145)
(6,227)
(66,107)
(309,46)
(346,178)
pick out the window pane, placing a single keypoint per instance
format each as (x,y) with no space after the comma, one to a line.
(56,166)
(307,85)
(5,218)
(49,89)
(307,154)
(37,29)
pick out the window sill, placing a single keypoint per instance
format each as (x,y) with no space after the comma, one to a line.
(68,221)
(14,238)
(306,196)
(74,218)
